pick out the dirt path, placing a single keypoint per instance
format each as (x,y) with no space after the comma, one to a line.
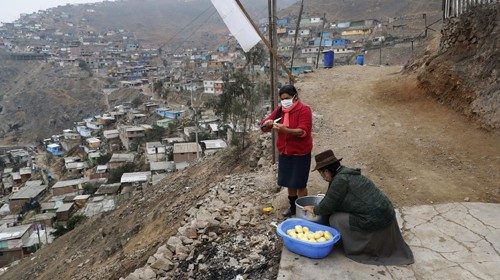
(416,150)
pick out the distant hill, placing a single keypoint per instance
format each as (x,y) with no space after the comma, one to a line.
(39,100)
(156,21)
(363,9)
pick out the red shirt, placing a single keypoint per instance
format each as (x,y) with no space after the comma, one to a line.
(300,117)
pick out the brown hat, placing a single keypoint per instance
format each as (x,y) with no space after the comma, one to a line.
(324,159)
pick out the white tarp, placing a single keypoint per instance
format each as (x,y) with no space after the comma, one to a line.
(237,23)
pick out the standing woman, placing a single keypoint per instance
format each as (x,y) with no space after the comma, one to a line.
(292,120)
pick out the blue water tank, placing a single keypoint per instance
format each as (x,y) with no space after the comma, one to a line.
(360,59)
(328,59)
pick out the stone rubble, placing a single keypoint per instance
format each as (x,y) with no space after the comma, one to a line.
(225,235)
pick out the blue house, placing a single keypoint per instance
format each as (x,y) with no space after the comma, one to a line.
(326,34)
(170,114)
(282,22)
(223,49)
(55,149)
(324,43)
(297,70)
(340,42)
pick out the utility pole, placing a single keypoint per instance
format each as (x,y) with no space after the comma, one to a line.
(297,32)
(380,54)
(195,125)
(320,40)
(425,24)
(272,66)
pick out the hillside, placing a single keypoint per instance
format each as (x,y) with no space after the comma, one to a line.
(461,69)
(360,9)
(206,222)
(156,21)
(39,100)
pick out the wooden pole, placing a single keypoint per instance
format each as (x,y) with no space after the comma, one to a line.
(266,42)
(272,63)
(297,32)
(320,40)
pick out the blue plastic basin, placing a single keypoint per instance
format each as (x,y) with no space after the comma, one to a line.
(305,248)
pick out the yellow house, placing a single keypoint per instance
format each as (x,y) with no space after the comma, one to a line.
(356,32)
(281,30)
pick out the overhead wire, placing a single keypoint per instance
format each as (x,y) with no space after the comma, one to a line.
(185,27)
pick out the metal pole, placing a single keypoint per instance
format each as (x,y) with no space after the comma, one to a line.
(297,32)
(271,70)
(275,73)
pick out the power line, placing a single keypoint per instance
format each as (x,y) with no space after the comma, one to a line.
(185,27)
(194,32)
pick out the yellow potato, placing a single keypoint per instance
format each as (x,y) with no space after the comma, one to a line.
(298,229)
(289,232)
(321,239)
(312,240)
(302,237)
(305,229)
(327,235)
(318,235)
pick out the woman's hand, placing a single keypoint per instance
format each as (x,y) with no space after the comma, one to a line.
(278,127)
(268,123)
(309,208)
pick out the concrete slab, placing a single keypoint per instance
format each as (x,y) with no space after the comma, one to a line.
(449,241)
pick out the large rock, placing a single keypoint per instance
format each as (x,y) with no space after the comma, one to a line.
(163,265)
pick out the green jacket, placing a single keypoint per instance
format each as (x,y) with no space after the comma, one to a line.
(353,193)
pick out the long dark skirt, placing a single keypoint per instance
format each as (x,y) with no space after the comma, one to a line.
(382,247)
(293,171)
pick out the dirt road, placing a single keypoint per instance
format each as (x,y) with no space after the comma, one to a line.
(416,150)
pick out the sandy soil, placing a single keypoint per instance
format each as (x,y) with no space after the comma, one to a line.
(416,150)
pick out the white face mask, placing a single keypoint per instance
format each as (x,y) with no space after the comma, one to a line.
(287,103)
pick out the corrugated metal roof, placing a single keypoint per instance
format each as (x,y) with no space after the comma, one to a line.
(28,192)
(135,177)
(66,183)
(215,144)
(122,158)
(65,207)
(13,232)
(186,147)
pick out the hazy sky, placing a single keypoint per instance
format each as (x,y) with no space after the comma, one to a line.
(11,9)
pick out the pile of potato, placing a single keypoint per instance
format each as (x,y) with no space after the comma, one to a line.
(304,234)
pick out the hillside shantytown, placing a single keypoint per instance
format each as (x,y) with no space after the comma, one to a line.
(171,177)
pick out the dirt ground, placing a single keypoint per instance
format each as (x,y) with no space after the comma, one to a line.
(416,150)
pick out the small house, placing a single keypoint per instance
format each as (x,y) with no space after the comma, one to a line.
(65,211)
(25,173)
(163,123)
(133,180)
(169,114)
(155,151)
(55,149)
(46,219)
(130,135)
(68,186)
(12,243)
(162,167)
(108,189)
(93,143)
(186,152)
(26,198)
(212,146)
(81,200)
(117,160)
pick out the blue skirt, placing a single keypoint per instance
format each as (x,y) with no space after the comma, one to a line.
(293,171)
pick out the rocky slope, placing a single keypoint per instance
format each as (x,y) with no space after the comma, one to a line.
(205,220)
(462,71)
(39,100)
